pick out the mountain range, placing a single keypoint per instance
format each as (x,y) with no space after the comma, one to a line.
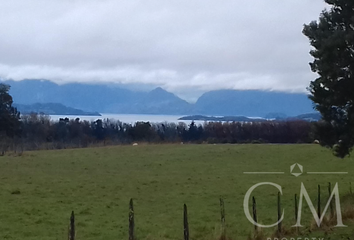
(52,109)
(110,98)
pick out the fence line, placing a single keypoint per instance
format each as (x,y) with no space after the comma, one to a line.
(186,233)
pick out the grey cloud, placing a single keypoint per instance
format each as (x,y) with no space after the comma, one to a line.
(177,44)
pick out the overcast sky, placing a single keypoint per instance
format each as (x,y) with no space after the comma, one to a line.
(184,46)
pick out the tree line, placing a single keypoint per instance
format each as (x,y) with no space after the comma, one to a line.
(40,132)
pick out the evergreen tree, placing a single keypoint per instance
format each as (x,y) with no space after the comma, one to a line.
(9,117)
(332,39)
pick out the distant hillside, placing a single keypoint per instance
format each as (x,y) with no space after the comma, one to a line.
(252,103)
(306,117)
(160,101)
(157,101)
(88,97)
(113,99)
(98,97)
(52,109)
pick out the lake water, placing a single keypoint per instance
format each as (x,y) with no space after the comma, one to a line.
(129,118)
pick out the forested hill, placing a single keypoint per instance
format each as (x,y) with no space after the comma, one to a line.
(52,109)
(253,103)
(111,98)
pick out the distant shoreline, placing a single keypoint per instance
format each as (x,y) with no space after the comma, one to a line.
(223,119)
(305,117)
(52,109)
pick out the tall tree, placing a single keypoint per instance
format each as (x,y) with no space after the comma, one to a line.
(9,117)
(332,39)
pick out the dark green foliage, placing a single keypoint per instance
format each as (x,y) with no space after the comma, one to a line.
(98,129)
(332,38)
(142,131)
(9,117)
(38,131)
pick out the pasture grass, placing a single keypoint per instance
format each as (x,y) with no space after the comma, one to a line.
(39,189)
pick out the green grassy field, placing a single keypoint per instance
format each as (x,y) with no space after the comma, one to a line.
(38,190)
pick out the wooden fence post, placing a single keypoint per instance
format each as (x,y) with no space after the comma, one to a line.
(131,220)
(72,226)
(254,207)
(296,208)
(331,203)
(296,211)
(350,188)
(279,213)
(185,223)
(222,211)
(319,202)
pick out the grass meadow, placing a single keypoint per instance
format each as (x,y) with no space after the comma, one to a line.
(39,189)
